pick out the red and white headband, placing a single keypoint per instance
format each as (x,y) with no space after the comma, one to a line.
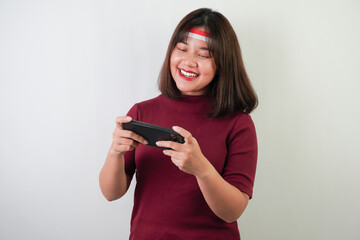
(199,34)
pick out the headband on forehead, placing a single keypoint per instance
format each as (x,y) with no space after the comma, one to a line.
(199,34)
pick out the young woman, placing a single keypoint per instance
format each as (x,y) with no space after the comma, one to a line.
(200,188)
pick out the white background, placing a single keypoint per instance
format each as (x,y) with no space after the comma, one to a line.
(68,68)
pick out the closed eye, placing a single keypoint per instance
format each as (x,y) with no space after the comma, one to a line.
(182,46)
(204,56)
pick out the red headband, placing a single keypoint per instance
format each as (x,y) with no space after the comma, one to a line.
(199,34)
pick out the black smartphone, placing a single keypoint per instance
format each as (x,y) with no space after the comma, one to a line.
(153,133)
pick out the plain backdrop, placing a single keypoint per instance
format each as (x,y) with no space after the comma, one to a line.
(68,68)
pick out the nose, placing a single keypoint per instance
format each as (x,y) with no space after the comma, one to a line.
(190,60)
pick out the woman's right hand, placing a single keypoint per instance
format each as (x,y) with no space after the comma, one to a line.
(124,140)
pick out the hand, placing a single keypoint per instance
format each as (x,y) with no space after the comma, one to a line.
(124,140)
(188,156)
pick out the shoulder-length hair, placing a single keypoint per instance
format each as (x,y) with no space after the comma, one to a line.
(230,90)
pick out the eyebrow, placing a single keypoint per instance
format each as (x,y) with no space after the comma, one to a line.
(205,48)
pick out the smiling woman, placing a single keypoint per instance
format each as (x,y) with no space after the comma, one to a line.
(191,64)
(207,181)
(213,36)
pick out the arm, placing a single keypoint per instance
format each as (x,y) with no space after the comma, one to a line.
(225,200)
(114,182)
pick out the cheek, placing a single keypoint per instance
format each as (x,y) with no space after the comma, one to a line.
(174,60)
(172,66)
(209,69)
(214,66)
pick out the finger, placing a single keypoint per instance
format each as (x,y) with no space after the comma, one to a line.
(122,119)
(122,148)
(168,152)
(186,134)
(173,155)
(127,141)
(132,135)
(169,144)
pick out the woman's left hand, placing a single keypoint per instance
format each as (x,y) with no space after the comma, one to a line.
(187,156)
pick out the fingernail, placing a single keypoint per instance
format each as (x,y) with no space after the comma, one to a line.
(128,118)
(145,142)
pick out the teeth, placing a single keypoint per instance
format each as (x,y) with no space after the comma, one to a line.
(189,75)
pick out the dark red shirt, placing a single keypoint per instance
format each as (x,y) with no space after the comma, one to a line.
(168,203)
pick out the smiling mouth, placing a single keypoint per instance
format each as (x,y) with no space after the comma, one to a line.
(188,75)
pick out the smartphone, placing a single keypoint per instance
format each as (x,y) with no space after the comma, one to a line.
(153,133)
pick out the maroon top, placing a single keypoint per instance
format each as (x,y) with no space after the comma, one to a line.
(168,203)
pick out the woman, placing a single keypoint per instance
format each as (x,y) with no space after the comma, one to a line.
(196,190)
